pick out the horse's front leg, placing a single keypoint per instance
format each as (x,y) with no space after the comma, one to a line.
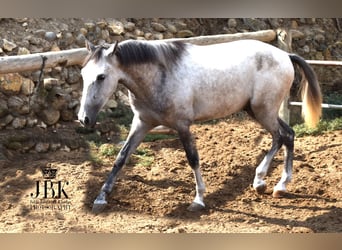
(136,135)
(193,158)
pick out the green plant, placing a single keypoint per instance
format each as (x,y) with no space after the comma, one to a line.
(323,126)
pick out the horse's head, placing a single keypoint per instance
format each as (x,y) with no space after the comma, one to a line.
(100,79)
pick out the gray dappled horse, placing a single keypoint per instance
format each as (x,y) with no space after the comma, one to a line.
(175,84)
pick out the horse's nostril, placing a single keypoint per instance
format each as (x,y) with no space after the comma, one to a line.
(86,120)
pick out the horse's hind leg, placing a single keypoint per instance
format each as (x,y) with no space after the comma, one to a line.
(193,159)
(287,134)
(282,134)
(259,184)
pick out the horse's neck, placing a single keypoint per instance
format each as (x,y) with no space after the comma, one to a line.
(139,80)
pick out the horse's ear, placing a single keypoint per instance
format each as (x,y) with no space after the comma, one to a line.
(90,47)
(112,49)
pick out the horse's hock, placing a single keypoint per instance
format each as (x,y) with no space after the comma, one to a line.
(24,104)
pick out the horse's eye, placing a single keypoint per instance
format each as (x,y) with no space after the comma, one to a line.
(100,77)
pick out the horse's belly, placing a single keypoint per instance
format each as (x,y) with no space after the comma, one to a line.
(215,107)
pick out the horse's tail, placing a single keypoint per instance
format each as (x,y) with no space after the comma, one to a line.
(310,91)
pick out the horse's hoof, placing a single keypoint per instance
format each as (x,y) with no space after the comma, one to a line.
(195,207)
(261,188)
(278,193)
(99,206)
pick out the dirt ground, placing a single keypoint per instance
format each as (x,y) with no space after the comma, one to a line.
(154,198)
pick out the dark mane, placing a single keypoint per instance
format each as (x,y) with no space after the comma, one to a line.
(137,52)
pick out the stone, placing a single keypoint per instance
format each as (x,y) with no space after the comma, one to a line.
(42,147)
(139,32)
(101,24)
(129,26)
(50,116)
(184,33)
(49,83)
(90,26)
(171,28)
(105,36)
(232,23)
(158,36)
(111,104)
(319,38)
(40,33)
(23,51)
(8,45)
(50,36)
(19,123)
(74,75)
(116,28)
(55,146)
(67,115)
(27,86)
(11,83)
(31,122)
(158,27)
(15,103)
(6,120)
(3,108)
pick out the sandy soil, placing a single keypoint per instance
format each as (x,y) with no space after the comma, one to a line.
(154,198)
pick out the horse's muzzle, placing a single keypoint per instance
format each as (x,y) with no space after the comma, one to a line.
(86,122)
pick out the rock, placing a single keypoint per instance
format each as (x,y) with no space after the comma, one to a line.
(3,108)
(67,39)
(74,75)
(11,83)
(31,122)
(158,36)
(319,38)
(23,51)
(232,23)
(15,103)
(55,146)
(8,46)
(111,104)
(129,26)
(6,120)
(50,36)
(18,123)
(49,83)
(138,32)
(185,33)
(90,26)
(105,36)
(171,28)
(50,116)
(40,33)
(116,28)
(42,147)
(67,115)
(158,27)
(101,24)
(27,86)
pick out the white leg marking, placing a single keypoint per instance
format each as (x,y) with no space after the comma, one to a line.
(285,178)
(200,187)
(261,172)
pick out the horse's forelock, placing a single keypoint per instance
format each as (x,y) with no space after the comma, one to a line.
(95,55)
